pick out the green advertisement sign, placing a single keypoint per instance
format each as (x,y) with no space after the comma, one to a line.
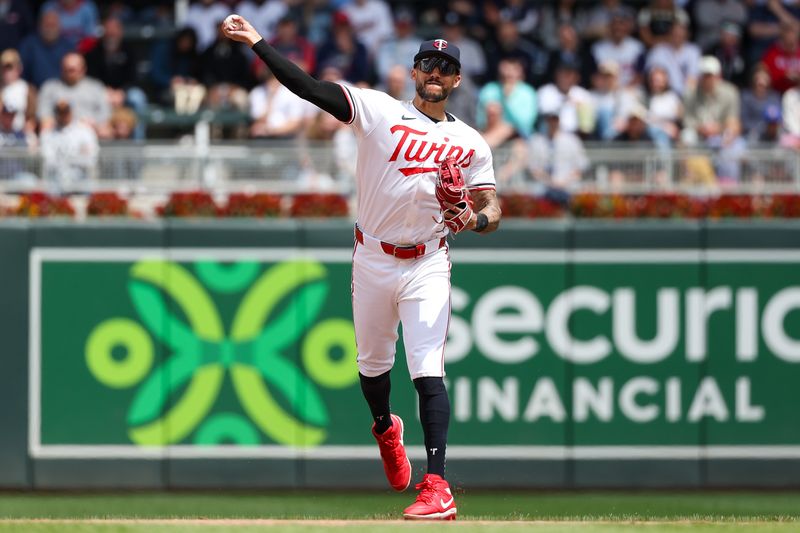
(237,353)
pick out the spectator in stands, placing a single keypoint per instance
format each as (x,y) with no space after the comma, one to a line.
(264,15)
(395,51)
(205,17)
(553,16)
(574,103)
(112,62)
(678,56)
(791,117)
(16,22)
(664,108)
(17,93)
(611,101)
(225,74)
(557,159)
(87,99)
(731,54)
(712,120)
(344,51)
(710,15)
(43,51)
(635,127)
(333,160)
(10,134)
(78,18)
(176,71)
(782,59)
(596,23)
(765,19)
(516,97)
(570,49)
(290,44)
(371,21)
(755,100)
(396,85)
(276,112)
(620,47)
(11,165)
(473,59)
(123,124)
(657,20)
(509,43)
(496,130)
(69,149)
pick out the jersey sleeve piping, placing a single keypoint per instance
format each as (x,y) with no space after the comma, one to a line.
(349,98)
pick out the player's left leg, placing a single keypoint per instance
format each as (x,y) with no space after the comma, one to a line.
(424,309)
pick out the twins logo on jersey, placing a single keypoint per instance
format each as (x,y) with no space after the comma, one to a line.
(420,151)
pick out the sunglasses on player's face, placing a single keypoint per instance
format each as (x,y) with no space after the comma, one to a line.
(445,66)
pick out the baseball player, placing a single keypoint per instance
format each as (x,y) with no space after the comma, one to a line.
(421,174)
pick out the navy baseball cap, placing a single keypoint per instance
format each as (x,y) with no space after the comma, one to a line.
(439,47)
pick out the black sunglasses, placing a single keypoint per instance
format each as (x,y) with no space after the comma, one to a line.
(445,66)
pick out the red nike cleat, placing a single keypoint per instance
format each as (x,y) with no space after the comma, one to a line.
(434,501)
(395,461)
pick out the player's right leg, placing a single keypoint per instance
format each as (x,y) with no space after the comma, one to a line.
(375,316)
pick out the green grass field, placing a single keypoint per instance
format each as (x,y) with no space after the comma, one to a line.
(654,512)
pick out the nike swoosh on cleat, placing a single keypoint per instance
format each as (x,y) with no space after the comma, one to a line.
(408,118)
(445,503)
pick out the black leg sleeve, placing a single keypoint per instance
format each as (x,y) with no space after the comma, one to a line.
(376,391)
(434,413)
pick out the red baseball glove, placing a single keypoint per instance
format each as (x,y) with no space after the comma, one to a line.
(450,188)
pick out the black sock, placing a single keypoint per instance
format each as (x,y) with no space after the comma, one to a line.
(434,413)
(376,391)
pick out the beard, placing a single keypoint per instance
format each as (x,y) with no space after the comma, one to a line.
(429,96)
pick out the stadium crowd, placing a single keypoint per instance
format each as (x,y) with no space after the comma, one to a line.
(539,78)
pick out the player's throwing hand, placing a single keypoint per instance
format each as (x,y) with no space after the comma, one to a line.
(237,28)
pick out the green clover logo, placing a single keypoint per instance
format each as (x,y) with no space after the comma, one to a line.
(176,398)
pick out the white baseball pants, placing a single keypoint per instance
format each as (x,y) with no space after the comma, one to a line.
(387,291)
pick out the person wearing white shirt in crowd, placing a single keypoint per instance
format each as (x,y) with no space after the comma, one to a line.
(557,158)
(679,57)
(69,149)
(372,22)
(791,117)
(15,92)
(575,104)
(275,110)
(619,47)
(664,108)
(204,17)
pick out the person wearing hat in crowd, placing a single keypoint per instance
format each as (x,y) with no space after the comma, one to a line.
(575,104)
(611,100)
(401,266)
(712,119)
(678,56)
(730,52)
(69,149)
(556,158)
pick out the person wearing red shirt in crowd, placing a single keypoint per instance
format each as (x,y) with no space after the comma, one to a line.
(783,58)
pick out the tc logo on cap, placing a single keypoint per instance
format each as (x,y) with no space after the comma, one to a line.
(440,44)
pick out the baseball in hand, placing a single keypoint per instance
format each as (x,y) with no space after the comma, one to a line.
(233,23)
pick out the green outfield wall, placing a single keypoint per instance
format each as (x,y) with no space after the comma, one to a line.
(211,354)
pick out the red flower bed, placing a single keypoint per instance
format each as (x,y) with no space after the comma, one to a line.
(734,206)
(527,206)
(319,205)
(593,205)
(189,204)
(39,204)
(107,204)
(253,205)
(782,205)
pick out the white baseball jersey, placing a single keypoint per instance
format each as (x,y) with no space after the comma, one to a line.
(399,152)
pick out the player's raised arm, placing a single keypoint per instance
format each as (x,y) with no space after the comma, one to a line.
(327,96)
